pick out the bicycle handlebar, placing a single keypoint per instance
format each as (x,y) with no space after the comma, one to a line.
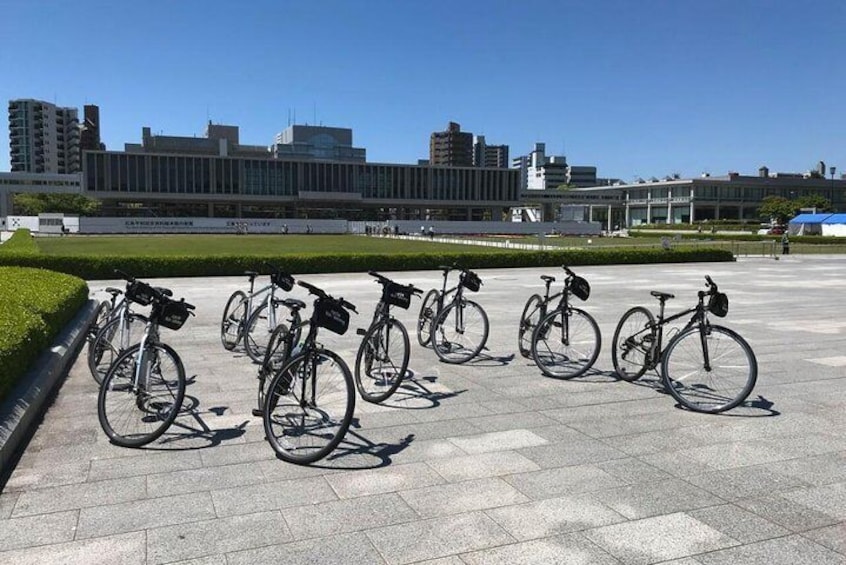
(385,280)
(320,293)
(124,276)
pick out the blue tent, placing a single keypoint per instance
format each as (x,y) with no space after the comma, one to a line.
(807,224)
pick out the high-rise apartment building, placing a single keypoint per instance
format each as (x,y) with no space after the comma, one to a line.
(90,135)
(490,156)
(43,138)
(452,147)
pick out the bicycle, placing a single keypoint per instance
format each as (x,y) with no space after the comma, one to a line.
(121,328)
(564,341)
(705,367)
(244,320)
(457,328)
(282,342)
(309,403)
(384,352)
(142,391)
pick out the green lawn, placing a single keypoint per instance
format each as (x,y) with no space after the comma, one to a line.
(239,245)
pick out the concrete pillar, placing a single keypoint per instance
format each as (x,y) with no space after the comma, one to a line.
(608,219)
(670,219)
(211,210)
(590,212)
(238,213)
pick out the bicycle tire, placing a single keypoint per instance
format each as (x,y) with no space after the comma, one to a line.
(726,384)
(562,358)
(382,360)
(232,322)
(458,345)
(256,333)
(634,339)
(528,321)
(274,358)
(424,319)
(111,341)
(101,316)
(133,418)
(306,418)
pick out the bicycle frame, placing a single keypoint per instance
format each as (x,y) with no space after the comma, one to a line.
(699,318)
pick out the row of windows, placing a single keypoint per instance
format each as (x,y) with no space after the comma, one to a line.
(122,172)
(725,193)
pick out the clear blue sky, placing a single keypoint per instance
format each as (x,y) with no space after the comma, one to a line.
(636,88)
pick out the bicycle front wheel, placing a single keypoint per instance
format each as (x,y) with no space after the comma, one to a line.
(725,382)
(309,406)
(113,338)
(382,360)
(566,343)
(234,318)
(528,322)
(427,314)
(136,411)
(459,332)
(634,339)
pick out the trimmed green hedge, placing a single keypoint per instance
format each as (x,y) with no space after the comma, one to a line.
(35,305)
(102,267)
(21,242)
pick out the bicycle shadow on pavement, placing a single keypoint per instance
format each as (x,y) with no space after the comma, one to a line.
(486,360)
(356,452)
(417,393)
(190,431)
(753,407)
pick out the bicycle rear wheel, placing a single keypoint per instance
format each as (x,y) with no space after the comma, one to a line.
(135,414)
(274,357)
(730,377)
(382,360)
(634,338)
(424,320)
(257,331)
(309,406)
(113,338)
(528,321)
(566,343)
(234,318)
(459,332)
(104,309)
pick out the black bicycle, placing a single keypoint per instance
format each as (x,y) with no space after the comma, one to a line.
(384,352)
(310,401)
(457,328)
(143,389)
(563,341)
(705,367)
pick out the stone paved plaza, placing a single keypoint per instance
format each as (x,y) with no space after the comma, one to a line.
(489,462)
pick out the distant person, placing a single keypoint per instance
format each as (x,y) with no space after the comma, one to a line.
(785,244)
(422,231)
(308,228)
(284,229)
(431,232)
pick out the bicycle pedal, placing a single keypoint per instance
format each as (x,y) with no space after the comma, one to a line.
(257,412)
(360,331)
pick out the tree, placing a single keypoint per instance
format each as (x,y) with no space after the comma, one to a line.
(821,203)
(777,207)
(32,204)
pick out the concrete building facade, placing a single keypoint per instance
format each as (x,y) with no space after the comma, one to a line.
(491,156)
(317,142)
(43,138)
(451,148)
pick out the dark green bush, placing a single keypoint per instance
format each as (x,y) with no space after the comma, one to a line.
(35,305)
(102,267)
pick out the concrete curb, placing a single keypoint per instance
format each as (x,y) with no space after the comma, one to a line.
(27,401)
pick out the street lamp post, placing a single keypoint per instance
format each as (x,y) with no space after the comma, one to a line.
(831,171)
